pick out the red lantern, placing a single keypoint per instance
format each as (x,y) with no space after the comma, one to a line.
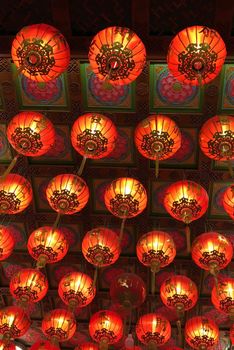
(179,293)
(76,289)
(117,55)
(128,290)
(5,345)
(59,325)
(228,201)
(93,135)
(28,285)
(40,52)
(153,330)
(101,247)
(222,296)
(15,194)
(212,251)
(86,346)
(106,327)
(196,55)
(201,333)
(44,345)
(47,245)
(31,134)
(14,322)
(158,138)
(7,242)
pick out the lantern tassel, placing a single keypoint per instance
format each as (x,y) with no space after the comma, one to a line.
(10,167)
(122,230)
(155,267)
(178,323)
(188,238)
(156,168)
(81,168)
(151,345)
(56,221)
(230,169)
(103,344)
(95,276)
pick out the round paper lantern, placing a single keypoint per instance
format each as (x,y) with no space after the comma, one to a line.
(76,289)
(222,296)
(59,325)
(93,135)
(201,333)
(40,52)
(216,138)
(196,55)
(14,322)
(117,55)
(5,345)
(228,201)
(67,193)
(47,245)
(15,194)
(179,293)
(158,138)
(106,327)
(28,285)
(128,290)
(212,251)
(87,346)
(153,330)
(101,247)
(44,345)
(7,242)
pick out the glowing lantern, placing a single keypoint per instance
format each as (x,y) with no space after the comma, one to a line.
(196,55)
(15,194)
(40,52)
(67,194)
(44,345)
(125,198)
(87,346)
(153,330)
(155,249)
(47,245)
(76,289)
(5,345)
(128,290)
(212,251)
(222,296)
(59,325)
(105,327)
(216,139)
(14,322)
(28,285)
(7,242)
(179,293)
(158,138)
(117,55)
(228,201)
(201,333)
(93,135)
(186,201)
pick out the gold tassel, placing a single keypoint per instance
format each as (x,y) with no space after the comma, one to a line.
(178,323)
(156,168)
(122,230)
(230,169)
(81,168)
(188,238)
(10,166)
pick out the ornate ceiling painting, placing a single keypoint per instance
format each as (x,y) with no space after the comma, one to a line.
(153,89)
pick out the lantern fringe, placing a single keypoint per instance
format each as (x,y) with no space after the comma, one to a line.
(122,230)
(188,238)
(178,324)
(230,169)
(156,168)
(10,166)
(81,168)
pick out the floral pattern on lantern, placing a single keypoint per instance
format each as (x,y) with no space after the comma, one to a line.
(7,242)
(67,193)
(101,247)
(59,325)
(31,134)
(40,52)
(228,201)
(222,296)
(201,333)
(28,285)
(153,329)
(15,194)
(216,138)
(196,55)
(14,322)
(93,135)
(76,289)
(47,245)
(117,55)
(125,197)
(106,327)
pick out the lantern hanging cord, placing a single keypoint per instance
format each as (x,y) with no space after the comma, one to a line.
(230,168)
(95,276)
(56,223)
(10,167)
(122,229)
(81,168)
(178,324)
(188,238)
(130,322)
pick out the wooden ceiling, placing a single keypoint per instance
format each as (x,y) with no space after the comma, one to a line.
(155,22)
